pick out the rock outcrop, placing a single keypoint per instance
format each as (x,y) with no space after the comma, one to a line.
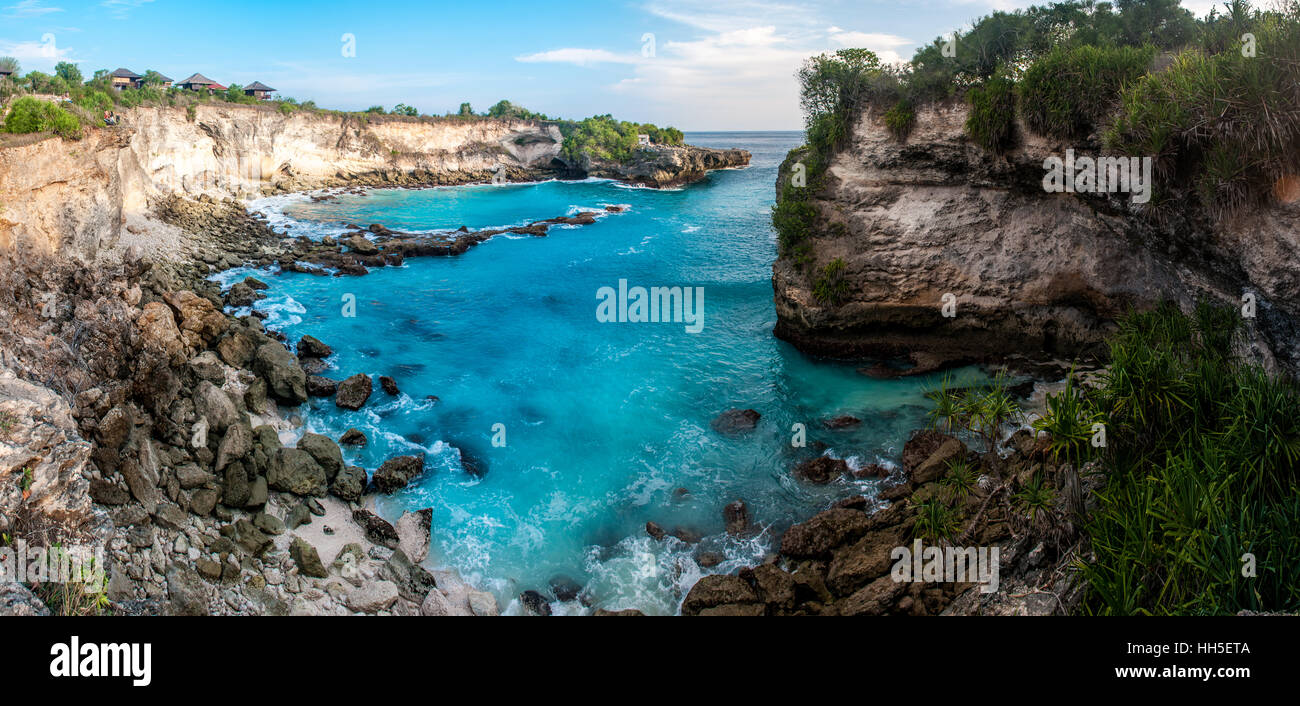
(1028,271)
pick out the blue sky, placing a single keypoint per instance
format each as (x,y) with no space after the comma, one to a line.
(714,65)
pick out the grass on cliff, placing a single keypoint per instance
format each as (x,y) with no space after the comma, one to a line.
(1200,508)
(28,115)
(1070,91)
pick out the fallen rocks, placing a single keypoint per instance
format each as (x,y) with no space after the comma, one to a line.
(396,473)
(353,392)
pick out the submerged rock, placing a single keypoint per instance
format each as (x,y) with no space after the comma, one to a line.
(736,517)
(822,469)
(736,421)
(389,385)
(534,603)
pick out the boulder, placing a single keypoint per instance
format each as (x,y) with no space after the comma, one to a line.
(373,597)
(235,445)
(198,318)
(353,392)
(534,603)
(158,330)
(350,483)
(822,469)
(936,466)
(311,347)
(318,386)
(736,517)
(361,245)
(238,347)
(844,421)
(376,528)
(308,559)
(712,593)
(17,599)
(396,473)
(736,421)
(324,451)
(295,471)
(389,385)
(353,437)
(826,530)
(921,447)
(213,404)
(285,380)
(413,532)
(435,604)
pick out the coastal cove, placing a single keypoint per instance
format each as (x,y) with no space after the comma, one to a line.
(599,427)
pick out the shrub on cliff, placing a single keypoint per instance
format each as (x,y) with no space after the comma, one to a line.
(992,119)
(1200,511)
(1229,122)
(28,115)
(831,287)
(1068,92)
(900,119)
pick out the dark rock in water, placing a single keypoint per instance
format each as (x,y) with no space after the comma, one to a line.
(824,532)
(736,516)
(353,437)
(616,209)
(708,560)
(361,245)
(534,603)
(314,366)
(875,470)
(655,531)
(880,371)
(564,588)
(822,469)
(473,465)
(722,595)
(736,421)
(311,347)
(844,421)
(354,392)
(396,473)
(318,386)
(687,535)
(626,612)
(389,385)
(377,529)
(433,398)
(242,295)
(857,502)
(350,483)
(257,284)
(680,494)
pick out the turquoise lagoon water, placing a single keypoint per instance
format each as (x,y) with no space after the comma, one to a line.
(603,422)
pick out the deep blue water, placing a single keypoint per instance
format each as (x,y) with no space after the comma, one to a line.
(603,421)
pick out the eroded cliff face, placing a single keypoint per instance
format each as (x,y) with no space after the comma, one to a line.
(77,197)
(1030,272)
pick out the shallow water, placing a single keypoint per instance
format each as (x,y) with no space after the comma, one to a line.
(603,422)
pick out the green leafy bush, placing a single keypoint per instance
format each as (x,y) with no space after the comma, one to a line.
(1200,470)
(830,287)
(992,119)
(28,115)
(1069,92)
(900,119)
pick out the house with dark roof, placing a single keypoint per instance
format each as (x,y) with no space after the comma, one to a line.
(199,82)
(258,90)
(125,78)
(164,82)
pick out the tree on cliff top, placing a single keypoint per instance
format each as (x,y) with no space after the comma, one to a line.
(10,64)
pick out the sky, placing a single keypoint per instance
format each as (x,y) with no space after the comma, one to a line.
(695,65)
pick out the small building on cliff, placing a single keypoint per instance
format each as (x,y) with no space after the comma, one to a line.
(125,78)
(258,90)
(199,82)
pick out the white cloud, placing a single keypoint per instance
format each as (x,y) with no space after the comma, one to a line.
(30,8)
(884,45)
(580,57)
(44,54)
(120,9)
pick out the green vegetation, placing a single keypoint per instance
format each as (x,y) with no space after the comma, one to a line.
(935,521)
(977,410)
(1200,470)
(1070,91)
(992,119)
(602,137)
(404,109)
(28,115)
(831,287)
(961,478)
(900,119)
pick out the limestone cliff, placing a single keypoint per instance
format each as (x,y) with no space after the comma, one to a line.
(1030,272)
(78,197)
